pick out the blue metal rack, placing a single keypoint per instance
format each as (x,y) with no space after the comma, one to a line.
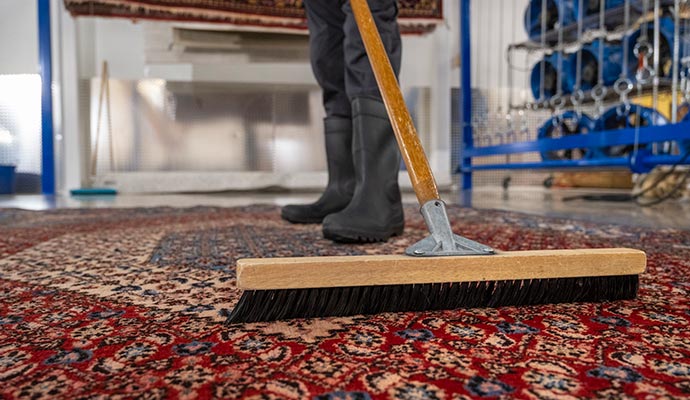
(46,68)
(642,161)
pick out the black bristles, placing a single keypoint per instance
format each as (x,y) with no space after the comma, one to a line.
(271,305)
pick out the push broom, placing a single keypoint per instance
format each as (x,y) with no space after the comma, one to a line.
(442,271)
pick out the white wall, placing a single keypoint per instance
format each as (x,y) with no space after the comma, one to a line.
(122,44)
(495,24)
(426,59)
(418,60)
(18,37)
(20,95)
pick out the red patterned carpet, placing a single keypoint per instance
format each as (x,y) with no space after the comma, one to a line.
(95,303)
(416,16)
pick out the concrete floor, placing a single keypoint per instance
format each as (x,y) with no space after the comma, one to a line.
(528,199)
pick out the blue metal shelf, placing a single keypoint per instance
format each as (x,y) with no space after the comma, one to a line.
(613,16)
(643,161)
(45,59)
(662,133)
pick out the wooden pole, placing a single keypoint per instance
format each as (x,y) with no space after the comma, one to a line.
(411,148)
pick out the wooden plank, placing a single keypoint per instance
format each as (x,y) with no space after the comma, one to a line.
(316,272)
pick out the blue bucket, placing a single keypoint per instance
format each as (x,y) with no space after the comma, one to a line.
(7,179)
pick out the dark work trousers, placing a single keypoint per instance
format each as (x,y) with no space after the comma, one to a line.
(338,57)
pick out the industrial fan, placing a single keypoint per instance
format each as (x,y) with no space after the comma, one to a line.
(644,48)
(533,16)
(566,124)
(570,10)
(589,69)
(549,80)
(622,117)
(593,6)
(684,112)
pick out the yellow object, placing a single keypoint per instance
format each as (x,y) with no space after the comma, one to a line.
(664,103)
(598,179)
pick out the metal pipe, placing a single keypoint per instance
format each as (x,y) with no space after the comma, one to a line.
(657,42)
(598,139)
(466,89)
(542,66)
(46,71)
(676,61)
(657,48)
(617,162)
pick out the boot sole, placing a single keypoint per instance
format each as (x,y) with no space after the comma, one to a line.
(351,237)
(297,220)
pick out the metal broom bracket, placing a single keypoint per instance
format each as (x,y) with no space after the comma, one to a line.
(442,241)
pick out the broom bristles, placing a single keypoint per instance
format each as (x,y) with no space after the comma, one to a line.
(272,305)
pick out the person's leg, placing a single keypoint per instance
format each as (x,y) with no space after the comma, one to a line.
(375,212)
(359,77)
(326,20)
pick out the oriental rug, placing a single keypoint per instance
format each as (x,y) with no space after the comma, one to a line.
(130,303)
(416,16)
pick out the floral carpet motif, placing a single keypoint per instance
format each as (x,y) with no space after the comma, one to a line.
(97,303)
(416,16)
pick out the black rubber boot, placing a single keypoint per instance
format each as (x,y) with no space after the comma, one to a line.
(375,212)
(341,176)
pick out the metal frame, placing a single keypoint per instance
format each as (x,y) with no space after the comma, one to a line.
(466,93)
(71,124)
(46,68)
(644,161)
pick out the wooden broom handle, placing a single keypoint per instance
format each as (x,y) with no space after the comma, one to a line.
(410,146)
